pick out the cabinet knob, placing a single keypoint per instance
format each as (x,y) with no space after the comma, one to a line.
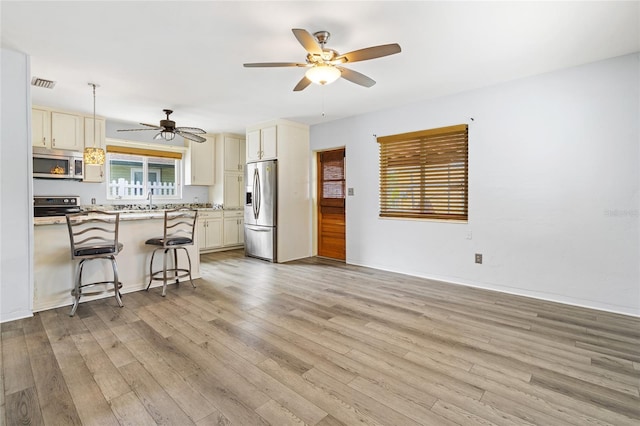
(53,141)
(44,141)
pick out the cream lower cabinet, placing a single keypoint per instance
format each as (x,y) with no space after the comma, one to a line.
(210,230)
(233,228)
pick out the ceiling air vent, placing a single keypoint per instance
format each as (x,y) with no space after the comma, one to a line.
(41,82)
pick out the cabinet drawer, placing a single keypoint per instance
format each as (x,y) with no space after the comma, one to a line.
(208,214)
(233,213)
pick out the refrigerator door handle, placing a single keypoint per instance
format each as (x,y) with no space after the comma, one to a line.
(259,229)
(256,194)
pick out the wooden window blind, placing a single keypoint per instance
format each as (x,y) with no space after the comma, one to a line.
(424,174)
(332,190)
(143,151)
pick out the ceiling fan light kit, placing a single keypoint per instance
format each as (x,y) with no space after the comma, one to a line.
(323,74)
(324,64)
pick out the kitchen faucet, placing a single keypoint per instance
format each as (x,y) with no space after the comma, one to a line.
(150,198)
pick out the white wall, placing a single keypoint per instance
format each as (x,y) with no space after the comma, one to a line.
(16,216)
(554,188)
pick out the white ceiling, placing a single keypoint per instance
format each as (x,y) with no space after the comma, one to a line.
(188,56)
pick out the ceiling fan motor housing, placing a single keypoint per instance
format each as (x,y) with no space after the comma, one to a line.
(169,125)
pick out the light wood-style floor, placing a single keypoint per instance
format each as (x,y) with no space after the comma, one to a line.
(319,342)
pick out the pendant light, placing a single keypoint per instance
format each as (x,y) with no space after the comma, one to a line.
(94,155)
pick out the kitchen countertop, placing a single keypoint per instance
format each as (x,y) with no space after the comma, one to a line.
(125,215)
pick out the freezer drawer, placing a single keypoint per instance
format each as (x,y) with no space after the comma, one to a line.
(260,242)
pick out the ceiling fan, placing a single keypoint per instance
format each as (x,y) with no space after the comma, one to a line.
(167,130)
(324,65)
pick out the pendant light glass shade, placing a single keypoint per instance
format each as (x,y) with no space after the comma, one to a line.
(94,155)
(323,74)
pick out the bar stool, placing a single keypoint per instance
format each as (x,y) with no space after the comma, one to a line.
(179,230)
(94,235)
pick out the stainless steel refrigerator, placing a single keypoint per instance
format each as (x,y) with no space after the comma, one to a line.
(260,210)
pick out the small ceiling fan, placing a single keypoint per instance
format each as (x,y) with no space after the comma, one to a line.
(167,130)
(324,65)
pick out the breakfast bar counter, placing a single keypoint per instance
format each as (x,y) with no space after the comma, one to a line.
(54,271)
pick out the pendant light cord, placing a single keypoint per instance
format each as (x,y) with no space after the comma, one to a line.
(94,115)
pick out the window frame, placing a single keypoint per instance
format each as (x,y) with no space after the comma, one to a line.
(146,152)
(425,174)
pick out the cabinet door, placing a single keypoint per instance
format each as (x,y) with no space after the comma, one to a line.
(41,128)
(214,233)
(67,131)
(93,173)
(199,163)
(253,145)
(232,159)
(233,190)
(89,134)
(231,231)
(240,230)
(202,233)
(269,143)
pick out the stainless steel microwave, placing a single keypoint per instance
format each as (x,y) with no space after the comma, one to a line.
(57,164)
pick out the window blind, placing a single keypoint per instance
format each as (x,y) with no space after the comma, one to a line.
(117,149)
(424,174)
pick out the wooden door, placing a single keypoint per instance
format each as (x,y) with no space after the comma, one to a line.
(331,204)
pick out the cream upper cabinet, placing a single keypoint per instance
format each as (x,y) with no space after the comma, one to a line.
(262,144)
(67,131)
(253,145)
(199,162)
(100,133)
(228,189)
(41,128)
(233,191)
(57,129)
(234,156)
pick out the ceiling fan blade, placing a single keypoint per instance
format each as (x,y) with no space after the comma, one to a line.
(307,41)
(190,129)
(302,84)
(273,64)
(153,126)
(369,53)
(191,136)
(356,77)
(137,130)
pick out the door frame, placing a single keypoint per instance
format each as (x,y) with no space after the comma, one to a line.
(315,196)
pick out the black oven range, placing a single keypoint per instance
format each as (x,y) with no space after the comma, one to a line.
(57,205)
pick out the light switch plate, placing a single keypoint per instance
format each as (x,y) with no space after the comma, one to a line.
(350,191)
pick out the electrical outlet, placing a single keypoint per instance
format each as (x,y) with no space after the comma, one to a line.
(478,258)
(350,191)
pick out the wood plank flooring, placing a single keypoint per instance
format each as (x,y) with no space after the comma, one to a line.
(321,343)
